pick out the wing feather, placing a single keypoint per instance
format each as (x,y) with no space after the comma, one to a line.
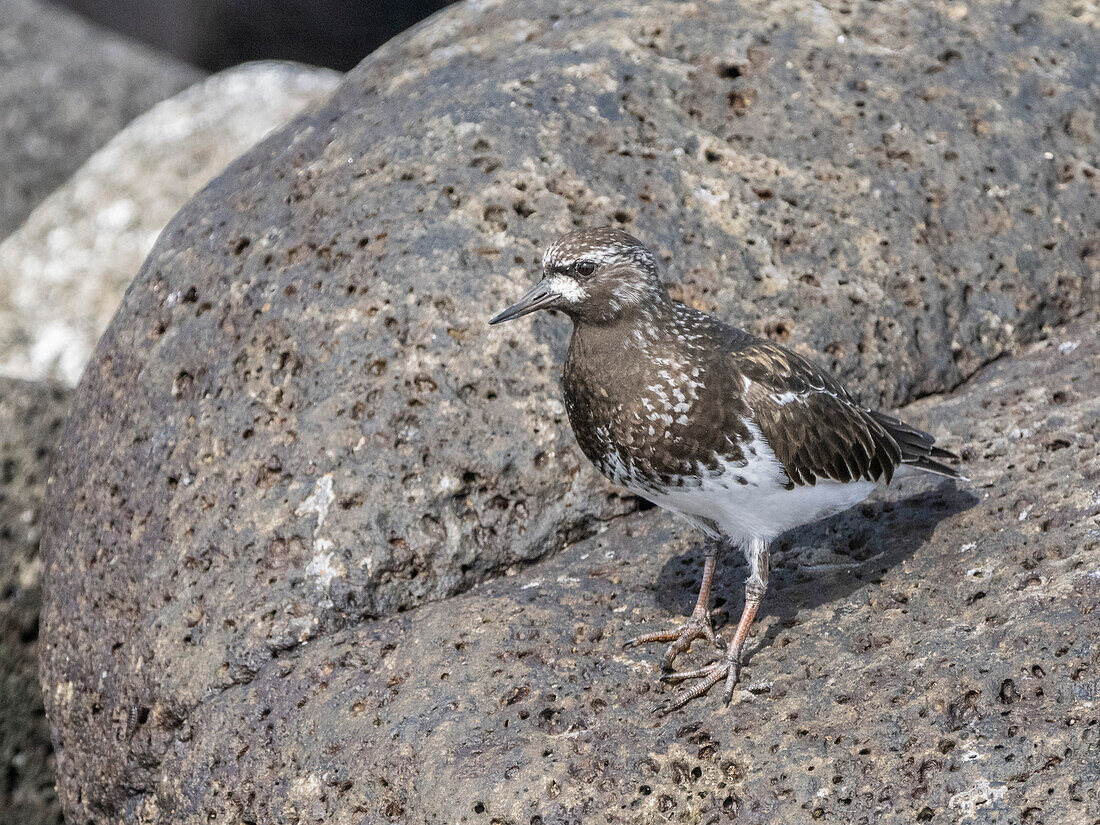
(815,428)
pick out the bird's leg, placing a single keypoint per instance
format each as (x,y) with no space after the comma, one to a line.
(755,588)
(697,627)
(730,669)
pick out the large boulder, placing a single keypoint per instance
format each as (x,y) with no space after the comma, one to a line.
(66,87)
(929,656)
(63,273)
(31,417)
(298,422)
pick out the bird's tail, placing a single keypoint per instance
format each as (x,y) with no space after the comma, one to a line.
(918,448)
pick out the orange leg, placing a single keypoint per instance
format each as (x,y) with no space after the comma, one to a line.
(730,669)
(697,627)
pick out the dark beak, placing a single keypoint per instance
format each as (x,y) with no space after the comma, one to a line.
(539,297)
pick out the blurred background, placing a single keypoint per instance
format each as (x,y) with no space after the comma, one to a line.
(215,34)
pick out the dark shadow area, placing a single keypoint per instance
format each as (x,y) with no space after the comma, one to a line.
(216,34)
(861,545)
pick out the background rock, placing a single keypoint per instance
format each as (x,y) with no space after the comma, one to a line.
(31,416)
(66,86)
(298,420)
(220,33)
(63,273)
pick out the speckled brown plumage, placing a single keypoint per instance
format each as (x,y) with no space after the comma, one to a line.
(742,437)
(815,428)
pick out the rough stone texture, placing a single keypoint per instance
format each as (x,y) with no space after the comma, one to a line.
(298,421)
(929,657)
(66,87)
(63,273)
(31,416)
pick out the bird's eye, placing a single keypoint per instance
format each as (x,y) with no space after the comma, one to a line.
(584,268)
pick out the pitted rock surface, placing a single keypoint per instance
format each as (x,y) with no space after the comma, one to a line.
(298,420)
(31,417)
(930,656)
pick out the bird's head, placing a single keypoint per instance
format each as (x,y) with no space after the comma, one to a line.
(595,275)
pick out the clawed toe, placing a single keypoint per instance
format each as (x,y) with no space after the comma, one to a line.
(708,677)
(697,627)
(732,678)
(678,676)
(649,638)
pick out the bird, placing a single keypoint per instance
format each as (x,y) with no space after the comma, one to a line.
(742,437)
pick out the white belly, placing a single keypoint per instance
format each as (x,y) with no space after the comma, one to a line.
(749,500)
(744,512)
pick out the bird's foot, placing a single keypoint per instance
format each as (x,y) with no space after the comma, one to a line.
(699,626)
(708,676)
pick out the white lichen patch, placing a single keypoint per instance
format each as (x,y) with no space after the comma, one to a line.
(981,795)
(318,501)
(711,195)
(63,693)
(447,484)
(325,566)
(595,72)
(304,793)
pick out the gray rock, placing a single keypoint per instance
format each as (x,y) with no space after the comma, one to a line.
(929,656)
(31,416)
(298,421)
(63,273)
(66,87)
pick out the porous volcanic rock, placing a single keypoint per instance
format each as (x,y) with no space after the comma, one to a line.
(66,86)
(930,656)
(31,416)
(63,273)
(298,421)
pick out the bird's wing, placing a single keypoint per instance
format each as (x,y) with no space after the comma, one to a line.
(814,427)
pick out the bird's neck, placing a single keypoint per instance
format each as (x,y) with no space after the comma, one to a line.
(607,346)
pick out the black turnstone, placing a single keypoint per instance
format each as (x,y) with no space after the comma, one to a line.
(742,437)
